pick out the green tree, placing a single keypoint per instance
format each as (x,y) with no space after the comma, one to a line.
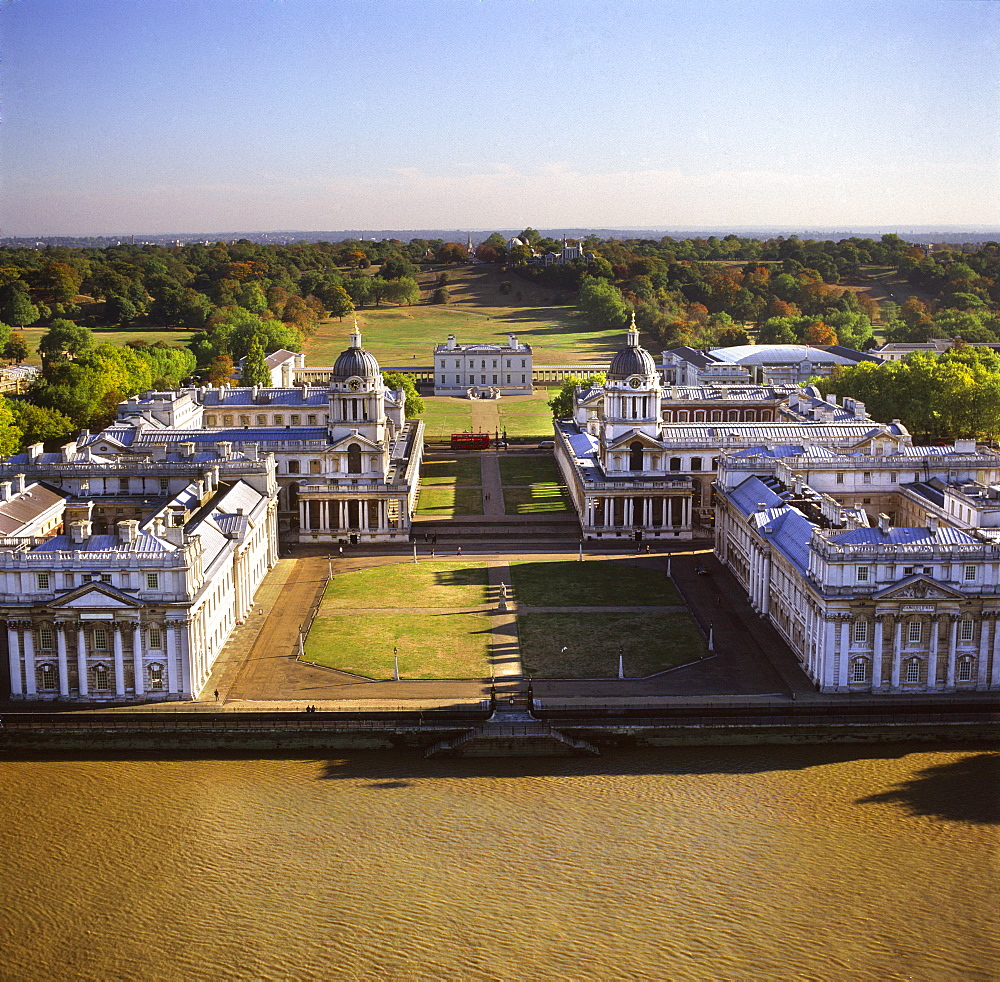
(10,432)
(402,290)
(777,330)
(64,339)
(601,302)
(39,424)
(561,403)
(441,295)
(255,370)
(414,401)
(16,349)
(16,307)
(339,302)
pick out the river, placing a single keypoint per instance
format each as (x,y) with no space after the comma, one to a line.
(719,863)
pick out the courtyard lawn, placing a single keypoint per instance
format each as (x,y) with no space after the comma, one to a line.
(424,584)
(528,470)
(445,502)
(429,646)
(649,644)
(527,417)
(595,582)
(463,472)
(537,500)
(444,415)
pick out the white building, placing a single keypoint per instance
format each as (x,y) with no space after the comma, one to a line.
(774,364)
(141,613)
(879,609)
(482,371)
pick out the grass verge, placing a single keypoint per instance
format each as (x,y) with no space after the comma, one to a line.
(528,470)
(446,502)
(538,500)
(458,471)
(596,582)
(424,584)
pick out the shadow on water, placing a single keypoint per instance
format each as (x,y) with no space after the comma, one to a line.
(966,790)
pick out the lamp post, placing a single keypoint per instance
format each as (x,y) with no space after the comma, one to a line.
(711,636)
(395,664)
(621,663)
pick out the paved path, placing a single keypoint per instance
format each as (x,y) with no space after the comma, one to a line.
(486,416)
(493,503)
(505,649)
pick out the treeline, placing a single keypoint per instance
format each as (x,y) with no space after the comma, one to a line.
(938,397)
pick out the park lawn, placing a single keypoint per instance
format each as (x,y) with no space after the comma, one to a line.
(527,416)
(112,335)
(463,472)
(648,644)
(423,584)
(444,415)
(445,502)
(595,582)
(527,470)
(537,500)
(429,646)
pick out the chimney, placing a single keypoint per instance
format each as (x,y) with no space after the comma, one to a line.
(761,507)
(884,525)
(35,451)
(80,530)
(66,452)
(225,450)
(187,448)
(932,523)
(6,490)
(965,446)
(128,531)
(451,344)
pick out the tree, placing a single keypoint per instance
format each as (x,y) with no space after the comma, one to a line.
(441,295)
(819,333)
(414,401)
(255,370)
(64,340)
(10,432)
(530,236)
(777,330)
(16,349)
(601,302)
(39,424)
(561,403)
(220,370)
(119,309)
(452,252)
(396,267)
(16,307)
(402,290)
(339,302)
(359,289)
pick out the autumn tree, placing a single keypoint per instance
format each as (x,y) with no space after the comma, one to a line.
(819,333)
(16,348)
(220,370)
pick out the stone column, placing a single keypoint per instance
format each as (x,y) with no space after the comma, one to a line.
(877,652)
(137,661)
(828,658)
(932,656)
(844,661)
(949,679)
(63,661)
(14,656)
(116,632)
(170,642)
(985,624)
(995,673)
(897,654)
(765,594)
(29,658)
(81,657)
(303,515)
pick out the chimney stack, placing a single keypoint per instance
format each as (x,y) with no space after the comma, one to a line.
(80,531)
(884,525)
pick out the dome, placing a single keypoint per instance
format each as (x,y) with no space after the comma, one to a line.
(631,360)
(355,362)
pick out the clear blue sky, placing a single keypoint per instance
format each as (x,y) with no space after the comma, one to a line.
(234,115)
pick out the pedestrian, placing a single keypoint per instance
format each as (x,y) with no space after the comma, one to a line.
(216,695)
(647,550)
(433,552)
(434,538)
(459,551)
(341,552)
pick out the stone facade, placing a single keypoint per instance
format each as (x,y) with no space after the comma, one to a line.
(482,370)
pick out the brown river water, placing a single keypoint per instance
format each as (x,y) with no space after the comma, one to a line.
(716,863)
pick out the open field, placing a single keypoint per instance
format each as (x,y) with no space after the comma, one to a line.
(444,415)
(441,584)
(463,472)
(446,502)
(605,583)
(527,416)
(430,646)
(648,644)
(524,470)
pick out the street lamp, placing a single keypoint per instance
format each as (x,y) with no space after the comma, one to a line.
(395,664)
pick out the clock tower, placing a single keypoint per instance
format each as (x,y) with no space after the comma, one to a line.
(633,393)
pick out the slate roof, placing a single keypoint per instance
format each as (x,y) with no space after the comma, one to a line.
(943,535)
(266,398)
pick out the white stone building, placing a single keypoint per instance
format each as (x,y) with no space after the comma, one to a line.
(143,612)
(479,371)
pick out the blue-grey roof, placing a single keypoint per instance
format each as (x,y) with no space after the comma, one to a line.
(266,398)
(943,535)
(790,534)
(248,434)
(753,492)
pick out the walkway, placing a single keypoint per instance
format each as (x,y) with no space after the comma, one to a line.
(493,501)
(505,648)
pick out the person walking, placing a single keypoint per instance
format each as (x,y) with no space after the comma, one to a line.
(459,551)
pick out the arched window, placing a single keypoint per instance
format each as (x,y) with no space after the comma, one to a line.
(716,415)
(354,459)
(912,670)
(699,416)
(682,415)
(860,668)
(102,678)
(635,456)
(675,463)
(155,676)
(47,677)
(965,667)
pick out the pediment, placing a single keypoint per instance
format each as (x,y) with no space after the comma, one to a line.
(622,443)
(99,595)
(919,588)
(366,444)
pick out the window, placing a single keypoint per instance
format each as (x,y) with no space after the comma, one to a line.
(696,463)
(294,419)
(892,478)
(913,670)
(675,463)
(354,459)
(860,670)
(262,421)
(866,477)
(156,676)
(508,380)
(210,421)
(860,632)
(965,670)
(155,638)
(164,484)
(45,638)
(915,632)
(279,420)
(494,380)
(244,421)
(635,456)
(100,639)
(152,581)
(43,581)
(105,577)
(293,467)
(908,570)
(315,467)
(970,574)
(123,484)
(966,630)
(102,678)
(840,478)
(312,420)
(227,420)
(862,574)
(47,677)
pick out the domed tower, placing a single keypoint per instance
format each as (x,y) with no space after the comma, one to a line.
(357,393)
(633,391)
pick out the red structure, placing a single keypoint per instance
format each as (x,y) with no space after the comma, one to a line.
(470,441)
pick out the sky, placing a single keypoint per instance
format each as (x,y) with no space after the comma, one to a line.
(161,116)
